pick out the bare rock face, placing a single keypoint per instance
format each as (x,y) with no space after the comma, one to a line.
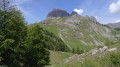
(58,13)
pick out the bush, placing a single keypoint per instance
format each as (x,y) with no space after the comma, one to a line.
(115,59)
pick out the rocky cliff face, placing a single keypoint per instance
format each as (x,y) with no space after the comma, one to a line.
(58,13)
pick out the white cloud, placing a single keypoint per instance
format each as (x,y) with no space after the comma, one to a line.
(115,7)
(79,11)
(97,17)
(117,21)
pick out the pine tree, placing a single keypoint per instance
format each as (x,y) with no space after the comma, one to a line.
(78,51)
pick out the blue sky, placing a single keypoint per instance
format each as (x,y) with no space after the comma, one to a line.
(106,11)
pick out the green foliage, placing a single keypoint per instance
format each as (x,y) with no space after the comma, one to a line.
(51,41)
(12,33)
(54,43)
(21,48)
(39,40)
(108,60)
(8,44)
(73,50)
(108,42)
(77,51)
(99,47)
(1,39)
(115,59)
(37,55)
(24,47)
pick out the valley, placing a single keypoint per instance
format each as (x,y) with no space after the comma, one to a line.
(88,40)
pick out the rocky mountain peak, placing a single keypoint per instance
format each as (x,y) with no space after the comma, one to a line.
(58,13)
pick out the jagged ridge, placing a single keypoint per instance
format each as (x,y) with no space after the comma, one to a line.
(60,13)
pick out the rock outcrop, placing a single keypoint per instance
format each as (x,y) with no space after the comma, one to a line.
(58,13)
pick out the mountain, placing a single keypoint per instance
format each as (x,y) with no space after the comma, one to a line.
(78,31)
(114,25)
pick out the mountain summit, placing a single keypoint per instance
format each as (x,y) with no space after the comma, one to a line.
(58,13)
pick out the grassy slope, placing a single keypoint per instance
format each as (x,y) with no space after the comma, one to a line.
(57,58)
(69,33)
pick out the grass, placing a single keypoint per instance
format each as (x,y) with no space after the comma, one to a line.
(99,60)
(69,35)
(116,31)
(105,59)
(57,57)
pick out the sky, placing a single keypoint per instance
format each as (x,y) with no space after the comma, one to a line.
(105,11)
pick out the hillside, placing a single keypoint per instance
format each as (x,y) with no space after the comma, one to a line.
(78,31)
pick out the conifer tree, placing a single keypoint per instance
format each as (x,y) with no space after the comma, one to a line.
(13,32)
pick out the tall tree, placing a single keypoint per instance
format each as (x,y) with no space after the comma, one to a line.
(13,31)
